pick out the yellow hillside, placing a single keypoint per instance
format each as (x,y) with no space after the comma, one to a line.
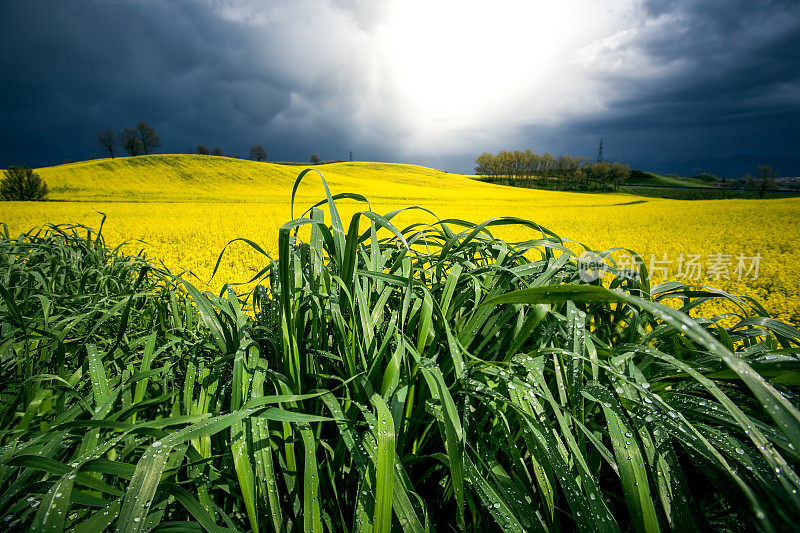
(183,209)
(201,178)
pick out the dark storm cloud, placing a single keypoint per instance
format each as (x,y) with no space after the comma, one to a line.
(729,82)
(682,79)
(196,75)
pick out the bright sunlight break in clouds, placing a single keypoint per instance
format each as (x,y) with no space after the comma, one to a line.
(434,82)
(474,65)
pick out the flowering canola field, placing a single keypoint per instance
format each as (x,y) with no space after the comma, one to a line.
(182,210)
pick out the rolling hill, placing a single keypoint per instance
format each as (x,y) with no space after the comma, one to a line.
(200,178)
(182,210)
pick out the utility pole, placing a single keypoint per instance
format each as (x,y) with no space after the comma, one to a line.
(351,155)
(600,152)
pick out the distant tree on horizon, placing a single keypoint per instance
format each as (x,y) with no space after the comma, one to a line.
(107,140)
(619,174)
(766,172)
(258,153)
(765,180)
(148,137)
(202,149)
(216,151)
(600,174)
(314,159)
(486,165)
(526,168)
(22,183)
(129,139)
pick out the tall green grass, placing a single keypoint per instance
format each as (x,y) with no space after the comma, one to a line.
(424,378)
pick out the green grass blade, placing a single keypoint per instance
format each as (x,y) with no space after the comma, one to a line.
(312,514)
(385,467)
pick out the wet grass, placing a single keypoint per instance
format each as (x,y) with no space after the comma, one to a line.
(425,377)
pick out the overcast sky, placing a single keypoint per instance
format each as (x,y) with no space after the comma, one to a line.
(430,82)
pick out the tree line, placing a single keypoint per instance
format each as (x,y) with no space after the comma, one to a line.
(139,140)
(142,139)
(528,169)
(257,152)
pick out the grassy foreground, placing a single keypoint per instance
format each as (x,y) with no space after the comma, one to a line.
(415,377)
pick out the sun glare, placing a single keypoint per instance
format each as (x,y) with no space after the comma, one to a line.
(464,61)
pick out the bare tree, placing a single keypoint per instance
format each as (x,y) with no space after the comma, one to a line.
(129,139)
(148,137)
(216,151)
(107,141)
(257,153)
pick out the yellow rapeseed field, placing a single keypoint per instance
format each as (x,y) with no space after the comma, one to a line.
(182,210)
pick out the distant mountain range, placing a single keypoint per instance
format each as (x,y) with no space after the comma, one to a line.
(731,167)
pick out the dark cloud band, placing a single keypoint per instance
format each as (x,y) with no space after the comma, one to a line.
(296,77)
